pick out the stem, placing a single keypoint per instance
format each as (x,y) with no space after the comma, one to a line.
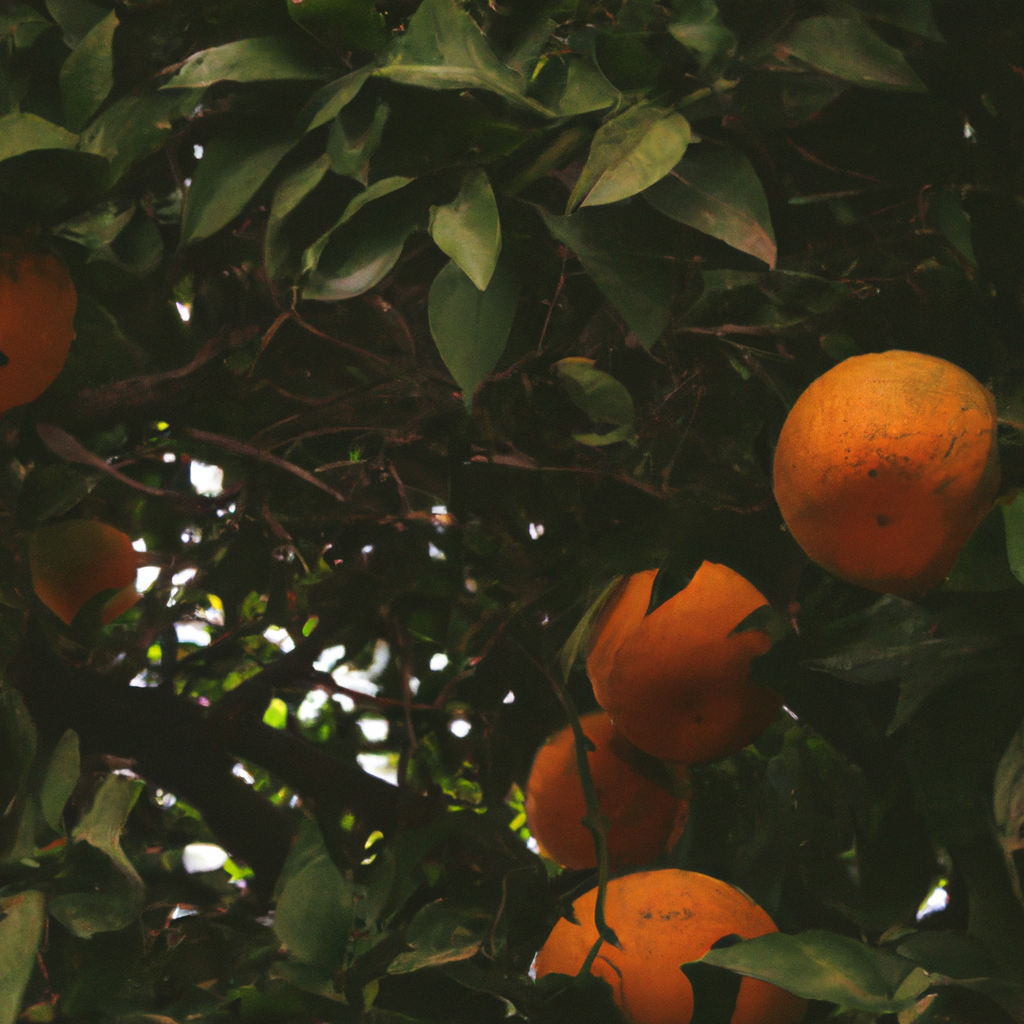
(595,821)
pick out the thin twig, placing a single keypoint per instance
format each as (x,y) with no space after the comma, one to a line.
(564,253)
(347,346)
(595,821)
(240,448)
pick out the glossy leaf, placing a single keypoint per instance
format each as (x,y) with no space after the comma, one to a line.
(468,229)
(350,152)
(326,103)
(595,392)
(377,190)
(116,902)
(263,59)
(571,84)
(21,931)
(715,190)
(442,48)
(912,15)
(848,49)
(469,326)
(636,280)
(952,221)
(23,133)
(232,169)
(356,254)
(289,193)
(441,933)
(344,24)
(60,780)
(699,27)
(135,126)
(823,965)
(1008,794)
(88,74)
(630,153)
(23,25)
(76,18)
(1013,517)
(314,904)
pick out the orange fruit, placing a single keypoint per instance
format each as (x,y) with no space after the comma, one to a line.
(73,561)
(664,919)
(675,682)
(643,817)
(885,466)
(37,313)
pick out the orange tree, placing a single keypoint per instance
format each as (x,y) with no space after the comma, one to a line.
(403,329)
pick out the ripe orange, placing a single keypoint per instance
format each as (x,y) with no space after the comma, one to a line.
(885,466)
(675,682)
(73,561)
(642,816)
(37,313)
(664,919)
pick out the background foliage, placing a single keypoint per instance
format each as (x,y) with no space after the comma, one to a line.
(478,306)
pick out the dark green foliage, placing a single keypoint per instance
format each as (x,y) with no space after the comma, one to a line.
(478,306)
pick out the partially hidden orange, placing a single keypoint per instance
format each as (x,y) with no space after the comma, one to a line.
(663,919)
(643,816)
(885,466)
(677,682)
(73,561)
(37,313)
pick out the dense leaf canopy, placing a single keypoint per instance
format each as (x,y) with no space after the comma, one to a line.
(403,329)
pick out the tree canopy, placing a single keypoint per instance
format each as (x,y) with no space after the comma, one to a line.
(403,330)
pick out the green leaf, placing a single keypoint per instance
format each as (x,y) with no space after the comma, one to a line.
(21,930)
(97,227)
(315,913)
(630,153)
(623,433)
(326,103)
(350,150)
(715,190)
(571,84)
(233,167)
(293,188)
(848,49)
(634,278)
(87,76)
(60,780)
(356,266)
(1013,518)
(701,30)
(341,24)
(469,326)
(952,222)
(23,133)
(442,933)
(115,903)
(135,126)
(443,48)
(264,59)
(384,187)
(353,256)
(580,636)
(23,25)
(958,959)
(468,229)
(76,18)
(822,965)
(1008,794)
(911,15)
(595,392)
